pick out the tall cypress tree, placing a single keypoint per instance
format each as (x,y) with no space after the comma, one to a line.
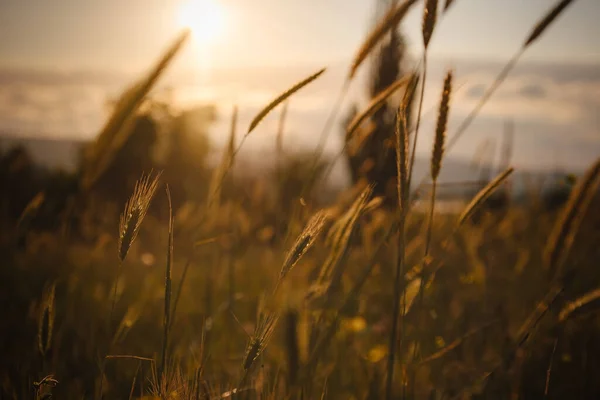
(371,155)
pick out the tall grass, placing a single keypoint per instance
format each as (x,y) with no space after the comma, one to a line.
(349,290)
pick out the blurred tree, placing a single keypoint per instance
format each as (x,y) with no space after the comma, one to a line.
(373,158)
(187,148)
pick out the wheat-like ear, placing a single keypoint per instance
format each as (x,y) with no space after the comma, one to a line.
(135,211)
(282,97)
(46,319)
(563,233)
(483,195)
(303,242)
(389,21)
(429,19)
(402,159)
(339,237)
(259,340)
(541,26)
(375,104)
(440,131)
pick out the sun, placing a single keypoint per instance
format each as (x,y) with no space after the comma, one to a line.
(205,19)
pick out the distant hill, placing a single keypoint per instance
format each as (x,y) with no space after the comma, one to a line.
(457,177)
(49,153)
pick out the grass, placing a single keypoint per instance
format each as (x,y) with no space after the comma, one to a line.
(365,302)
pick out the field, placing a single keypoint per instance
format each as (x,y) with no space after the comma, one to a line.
(135,279)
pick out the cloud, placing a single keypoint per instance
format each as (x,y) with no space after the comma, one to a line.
(553,105)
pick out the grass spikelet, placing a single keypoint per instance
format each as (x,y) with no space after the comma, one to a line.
(339,237)
(303,242)
(483,194)
(282,97)
(391,19)
(563,233)
(375,104)
(440,131)
(116,130)
(402,159)
(409,96)
(543,24)
(46,319)
(135,211)
(429,19)
(260,338)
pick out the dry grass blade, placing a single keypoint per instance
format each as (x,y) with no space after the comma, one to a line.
(483,195)
(572,306)
(339,237)
(541,26)
(392,18)
(454,344)
(375,104)
(117,129)
(563,233)
(46,319)
(135,211)
(409,294)
(282,97)
(303,242)
(429,19)
(440,131)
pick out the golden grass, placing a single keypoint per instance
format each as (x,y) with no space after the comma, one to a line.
(281,98)
(483,194)
(441,127)
(429,20)
(563,233)
(375,104)
(135,211)
(546,21)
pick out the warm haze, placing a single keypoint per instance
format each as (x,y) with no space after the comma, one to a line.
(62,59)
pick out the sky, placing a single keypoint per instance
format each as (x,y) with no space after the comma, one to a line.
(61,59)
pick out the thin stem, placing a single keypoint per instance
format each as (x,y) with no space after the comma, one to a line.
(320,148)
(549,371)
(396,312)
(424,277)
(109,326)
(179,290)
(418,124)
(167,318)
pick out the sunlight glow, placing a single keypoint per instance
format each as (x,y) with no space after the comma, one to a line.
(205,18)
